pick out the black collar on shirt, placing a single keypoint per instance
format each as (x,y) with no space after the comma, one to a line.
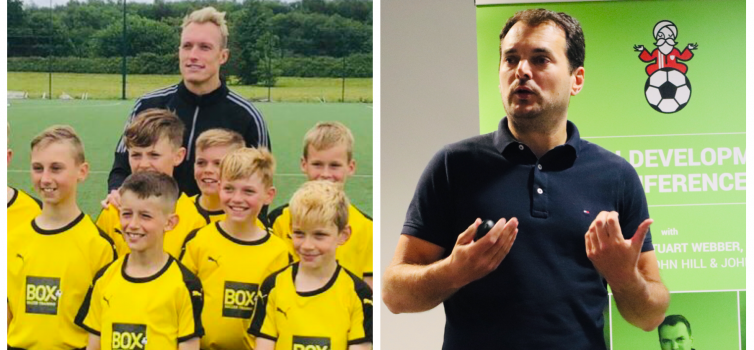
(560,157)
(15,196)
(202,100)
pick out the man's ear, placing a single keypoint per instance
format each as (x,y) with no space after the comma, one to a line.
(578,81)
(224,56)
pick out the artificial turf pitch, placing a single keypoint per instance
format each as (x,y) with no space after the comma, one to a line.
(100,123)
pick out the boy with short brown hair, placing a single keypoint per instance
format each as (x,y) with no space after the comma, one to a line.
(145,299)
(154,142)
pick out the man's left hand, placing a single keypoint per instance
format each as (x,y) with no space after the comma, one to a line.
(615,257)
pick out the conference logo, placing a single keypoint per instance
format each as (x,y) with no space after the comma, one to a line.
(128,336)
(311,343)
(42,295)
(668,89)
(239,299)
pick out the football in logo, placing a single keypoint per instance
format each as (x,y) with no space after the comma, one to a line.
(667,90)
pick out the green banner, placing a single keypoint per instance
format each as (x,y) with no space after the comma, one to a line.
(679,118)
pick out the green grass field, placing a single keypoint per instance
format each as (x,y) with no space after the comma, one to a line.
(108,86)
(100,124)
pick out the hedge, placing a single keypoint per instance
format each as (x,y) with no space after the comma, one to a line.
(357,65)
(147,63)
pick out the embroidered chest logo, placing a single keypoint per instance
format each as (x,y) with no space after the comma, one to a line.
(128,336)
(311,343)
(667,89)
(42,295)
(239,299)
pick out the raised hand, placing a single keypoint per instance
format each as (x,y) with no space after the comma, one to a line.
(693,46)
(615,257)
(472,260)
(639,48)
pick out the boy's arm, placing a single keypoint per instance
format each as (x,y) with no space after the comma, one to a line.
(89,314)
(190,313)
(263,320)
(265,344)
(192,344)
(360,331)
(364,346)
(94,342)
(368,253)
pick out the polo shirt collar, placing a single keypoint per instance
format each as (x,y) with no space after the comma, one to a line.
(503,139)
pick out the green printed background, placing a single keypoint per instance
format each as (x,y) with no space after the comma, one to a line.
(612,112)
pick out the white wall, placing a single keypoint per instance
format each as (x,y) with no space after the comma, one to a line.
(429,98)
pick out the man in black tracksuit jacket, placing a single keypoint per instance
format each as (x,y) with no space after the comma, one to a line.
(201,100)
(221,108)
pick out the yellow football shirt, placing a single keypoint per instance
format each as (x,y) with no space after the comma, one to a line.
(231,271)
(48,277)
(214,216)
(332,317)
(188,219)
(355,255)
(22,208)
(156,312)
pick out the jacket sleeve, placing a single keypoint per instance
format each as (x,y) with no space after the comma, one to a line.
(121,169)
(257,135)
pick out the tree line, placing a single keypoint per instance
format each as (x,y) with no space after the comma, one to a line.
(267,37)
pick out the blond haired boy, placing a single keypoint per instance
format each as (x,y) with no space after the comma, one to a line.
(211,146)
(315,303)
(146,299)
(55,255)
(233,256)
(154,143)
(328,155)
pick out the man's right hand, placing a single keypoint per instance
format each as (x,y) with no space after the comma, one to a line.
(472,260)
(112,198)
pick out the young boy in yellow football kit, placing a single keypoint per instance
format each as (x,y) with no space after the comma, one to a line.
(211,146)
(57,253)
(315,303)
(145,299)
(328,155)
(233,256)
(154,142)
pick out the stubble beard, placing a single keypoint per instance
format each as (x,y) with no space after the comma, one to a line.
(539,121)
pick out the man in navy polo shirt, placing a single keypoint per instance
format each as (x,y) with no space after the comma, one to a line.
(571,216)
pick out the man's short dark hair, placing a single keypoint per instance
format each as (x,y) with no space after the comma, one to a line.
(575,45)
(673,320)
(152,184)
